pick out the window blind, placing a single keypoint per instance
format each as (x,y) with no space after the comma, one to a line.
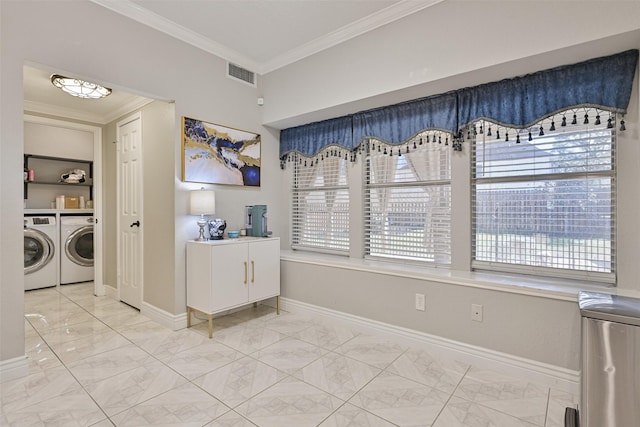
(320,205)
(408,203)
(546,205)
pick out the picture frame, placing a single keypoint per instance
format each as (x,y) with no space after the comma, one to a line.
(216,154)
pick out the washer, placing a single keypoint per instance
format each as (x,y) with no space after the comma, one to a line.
(40,252)
(76,249)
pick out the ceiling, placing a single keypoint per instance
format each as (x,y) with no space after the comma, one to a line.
(41,96)
(259,35)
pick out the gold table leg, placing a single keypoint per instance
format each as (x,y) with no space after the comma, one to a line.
(209,319)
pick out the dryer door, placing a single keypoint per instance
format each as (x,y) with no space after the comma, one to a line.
(79,246)
(38,250)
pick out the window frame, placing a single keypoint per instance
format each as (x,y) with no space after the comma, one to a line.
(435,259)
(306,244)
(601,277)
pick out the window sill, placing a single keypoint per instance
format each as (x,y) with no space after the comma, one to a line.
(543,287)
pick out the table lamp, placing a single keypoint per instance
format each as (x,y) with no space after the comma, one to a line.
(202,202)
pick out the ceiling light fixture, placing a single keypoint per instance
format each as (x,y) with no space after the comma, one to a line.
(80,88)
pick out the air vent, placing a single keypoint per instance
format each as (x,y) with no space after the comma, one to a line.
(242,74)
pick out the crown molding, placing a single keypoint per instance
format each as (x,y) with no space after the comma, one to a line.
(127,108)
(369,23)
(375,20)
(70,113)
(57,111)
(151,19)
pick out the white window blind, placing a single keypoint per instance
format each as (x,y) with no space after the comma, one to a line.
(408,202)
(320,211)
(546,205)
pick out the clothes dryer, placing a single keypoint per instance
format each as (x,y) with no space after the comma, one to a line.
(40,252)
(76,249)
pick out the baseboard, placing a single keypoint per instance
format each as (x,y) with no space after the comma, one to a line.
(171,321)
(13,368)
(556,377)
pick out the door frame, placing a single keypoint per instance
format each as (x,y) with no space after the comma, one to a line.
(98,283)
(128,119)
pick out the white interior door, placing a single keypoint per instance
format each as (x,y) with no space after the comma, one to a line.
(129,202)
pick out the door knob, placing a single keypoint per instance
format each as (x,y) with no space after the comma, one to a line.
(137,224)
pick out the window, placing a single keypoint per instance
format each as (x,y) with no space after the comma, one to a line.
(545,204)
(408,200)
(320,198)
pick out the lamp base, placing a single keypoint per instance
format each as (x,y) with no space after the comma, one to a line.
(201,223)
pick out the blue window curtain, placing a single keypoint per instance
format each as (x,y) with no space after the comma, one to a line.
(522,101)
(400,122)
(310,139)
(603,83)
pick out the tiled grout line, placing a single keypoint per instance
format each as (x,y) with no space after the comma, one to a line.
(252,355)
(452,394)
(69,371)
(334,351)
(370,381)
(123,336)
(164,364)
(286,335)
(546,412)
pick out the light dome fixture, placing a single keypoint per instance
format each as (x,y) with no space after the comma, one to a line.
(79,88)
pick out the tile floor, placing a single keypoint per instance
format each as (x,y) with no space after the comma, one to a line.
(96,362)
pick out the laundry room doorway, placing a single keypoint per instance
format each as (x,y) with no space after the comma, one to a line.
(41,133)
(129,207)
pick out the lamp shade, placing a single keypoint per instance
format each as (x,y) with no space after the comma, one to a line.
(202,202)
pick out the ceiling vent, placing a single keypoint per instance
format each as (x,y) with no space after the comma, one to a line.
(236,72)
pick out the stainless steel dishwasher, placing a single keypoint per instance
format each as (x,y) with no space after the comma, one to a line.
(610,360)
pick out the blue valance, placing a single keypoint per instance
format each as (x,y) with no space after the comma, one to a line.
(398,123)
(603,83)
(522,101)
(314,137)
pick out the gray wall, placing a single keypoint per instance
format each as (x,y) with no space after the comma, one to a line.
(158,130)
(54,141)
(536,328)
(448,46)
(78,38)
(452,45)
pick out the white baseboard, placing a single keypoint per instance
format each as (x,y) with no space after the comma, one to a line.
(14,368)
(171,321)
(552,376)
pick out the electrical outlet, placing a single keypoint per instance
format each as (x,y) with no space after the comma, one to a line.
(420,302)
(476,312)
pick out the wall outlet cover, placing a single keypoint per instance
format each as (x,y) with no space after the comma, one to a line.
(476,312)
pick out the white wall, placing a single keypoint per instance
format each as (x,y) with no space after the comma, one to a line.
(86,40)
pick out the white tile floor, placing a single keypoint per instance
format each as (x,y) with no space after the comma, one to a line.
(97,362)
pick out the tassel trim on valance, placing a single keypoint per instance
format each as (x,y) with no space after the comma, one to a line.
(481,128)
(603,84)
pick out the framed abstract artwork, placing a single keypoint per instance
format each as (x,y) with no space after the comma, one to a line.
(216,154)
